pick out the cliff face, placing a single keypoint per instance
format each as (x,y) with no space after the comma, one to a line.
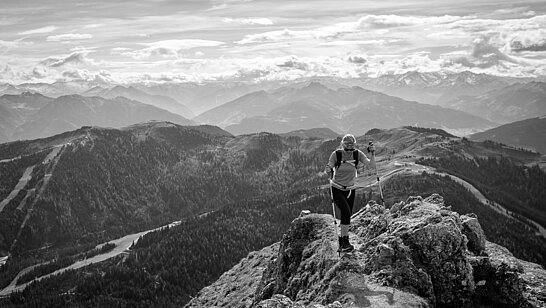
(419,253)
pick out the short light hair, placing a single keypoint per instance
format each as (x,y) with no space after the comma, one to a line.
(348,137)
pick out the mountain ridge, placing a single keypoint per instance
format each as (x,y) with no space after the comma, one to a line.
(42,116)
(528,133)
(132,93)
(352,109)
(512,103)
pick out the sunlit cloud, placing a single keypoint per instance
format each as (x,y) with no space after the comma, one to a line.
(249,21)
(68,37)
(223,40)
(217,7)
(42,30)
(534,40)
(388,21)
(92,26)
(167,48)
(366,42)
(183,44)
(73,58)
(513,12)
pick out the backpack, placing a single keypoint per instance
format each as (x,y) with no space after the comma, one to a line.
(338,158)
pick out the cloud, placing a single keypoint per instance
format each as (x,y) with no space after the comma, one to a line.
(512,12)
(101,76)
(357,59)
(9,21)
(83,49)
(183,44)
(249,21)
(14,44)
(295,63)
(286,35)
(483,55)
(47,29)
(528,41)
(166,49)
(389,21)
(92,26)
(362,27)
(68,37)
(366,42)
(217,7)
(73,58)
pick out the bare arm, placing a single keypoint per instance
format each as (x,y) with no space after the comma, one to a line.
(365,160)
(329,169)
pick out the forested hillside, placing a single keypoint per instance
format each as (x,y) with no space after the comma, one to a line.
(165,268)
(232,194)
(517,188)
(112,182)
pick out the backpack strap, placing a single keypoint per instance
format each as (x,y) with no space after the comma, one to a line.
(338,158)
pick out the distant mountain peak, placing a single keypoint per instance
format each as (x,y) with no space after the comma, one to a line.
(316,86)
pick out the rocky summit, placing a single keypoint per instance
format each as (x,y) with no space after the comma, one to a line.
(418,253)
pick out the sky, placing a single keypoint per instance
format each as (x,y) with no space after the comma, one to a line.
(158,41)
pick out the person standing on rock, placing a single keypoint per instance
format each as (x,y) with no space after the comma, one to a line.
(342,171)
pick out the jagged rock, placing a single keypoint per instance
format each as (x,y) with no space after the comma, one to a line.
(236,287)
(474,233)
(309,271)
(414,255)
(422,251)
(507,281)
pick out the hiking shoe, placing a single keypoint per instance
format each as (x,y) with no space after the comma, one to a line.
(344,245)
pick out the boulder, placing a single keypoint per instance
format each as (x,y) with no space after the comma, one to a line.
(474,234)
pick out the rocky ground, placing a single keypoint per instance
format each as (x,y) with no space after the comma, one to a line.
(419,253)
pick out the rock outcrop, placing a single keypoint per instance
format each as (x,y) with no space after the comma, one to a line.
(419,253)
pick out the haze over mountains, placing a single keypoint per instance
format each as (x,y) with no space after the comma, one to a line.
(31,116)
(462,103)
(509,104)
(438,87)
(159,101)
(345,109)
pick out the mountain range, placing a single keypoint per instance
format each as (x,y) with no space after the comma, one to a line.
(32,115)
(436,87)
(132,93)
(353,110)
(252,107)
(509,104)
(202,97)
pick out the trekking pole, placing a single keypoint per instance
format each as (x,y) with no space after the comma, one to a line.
(334,211)
(377,176)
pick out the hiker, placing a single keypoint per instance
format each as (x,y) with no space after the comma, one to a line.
(342,171)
